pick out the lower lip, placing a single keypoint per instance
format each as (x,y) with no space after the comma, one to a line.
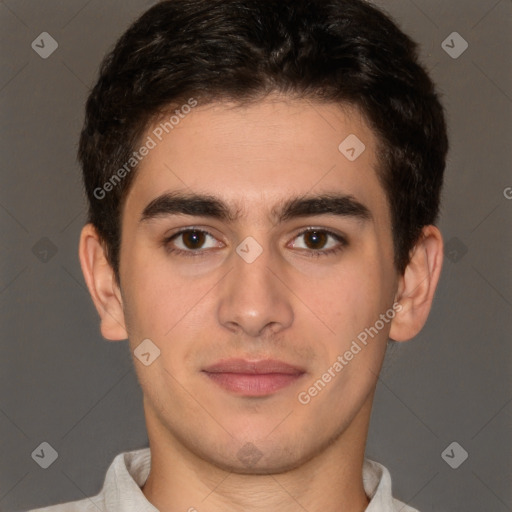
(253,384)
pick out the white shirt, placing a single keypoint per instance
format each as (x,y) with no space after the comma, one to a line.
(128,472)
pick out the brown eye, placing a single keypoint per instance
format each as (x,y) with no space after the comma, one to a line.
(315,239)
(193,239)
(319,242)
(191,242)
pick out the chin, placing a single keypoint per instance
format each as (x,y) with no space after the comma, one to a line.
(263,456)
(263,465)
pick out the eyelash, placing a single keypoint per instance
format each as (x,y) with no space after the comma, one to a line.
(342,243)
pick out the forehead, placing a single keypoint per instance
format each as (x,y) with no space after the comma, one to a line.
(253,157)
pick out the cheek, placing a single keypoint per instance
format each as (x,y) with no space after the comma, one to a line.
(147,294)
(161,300)
(354,297)
(352,303)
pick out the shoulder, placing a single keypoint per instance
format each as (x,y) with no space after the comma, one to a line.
(402,507)
(124,477)
(85,505)
(378,487)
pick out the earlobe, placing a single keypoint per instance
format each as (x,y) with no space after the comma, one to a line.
(417,285)
(100,279)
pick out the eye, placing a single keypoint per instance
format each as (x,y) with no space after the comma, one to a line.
(320,241)
(195,242)
(191,242)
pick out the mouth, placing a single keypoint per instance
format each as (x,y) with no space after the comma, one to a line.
(253,378)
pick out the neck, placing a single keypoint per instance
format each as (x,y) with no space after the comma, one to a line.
(330,481)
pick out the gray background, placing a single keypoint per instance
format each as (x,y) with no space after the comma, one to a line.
(60,382)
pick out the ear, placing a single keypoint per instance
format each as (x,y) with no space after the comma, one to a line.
(100,279)
(417,285)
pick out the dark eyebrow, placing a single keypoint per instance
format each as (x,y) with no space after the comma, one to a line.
(201,205)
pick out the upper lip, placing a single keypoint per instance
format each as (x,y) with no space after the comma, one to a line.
(260,366)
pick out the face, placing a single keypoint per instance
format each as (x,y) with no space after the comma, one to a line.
(255,292)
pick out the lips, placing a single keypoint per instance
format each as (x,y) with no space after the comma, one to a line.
(253,367)
(253,378)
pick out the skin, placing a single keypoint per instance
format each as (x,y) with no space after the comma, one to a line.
(286,305)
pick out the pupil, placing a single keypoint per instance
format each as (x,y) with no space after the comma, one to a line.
(193,239)
(318,238)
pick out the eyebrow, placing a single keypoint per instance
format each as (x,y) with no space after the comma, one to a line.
(204,205)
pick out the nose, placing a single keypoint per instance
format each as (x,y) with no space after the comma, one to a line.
(254,299)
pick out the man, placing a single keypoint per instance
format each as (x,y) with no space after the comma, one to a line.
(263,182)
